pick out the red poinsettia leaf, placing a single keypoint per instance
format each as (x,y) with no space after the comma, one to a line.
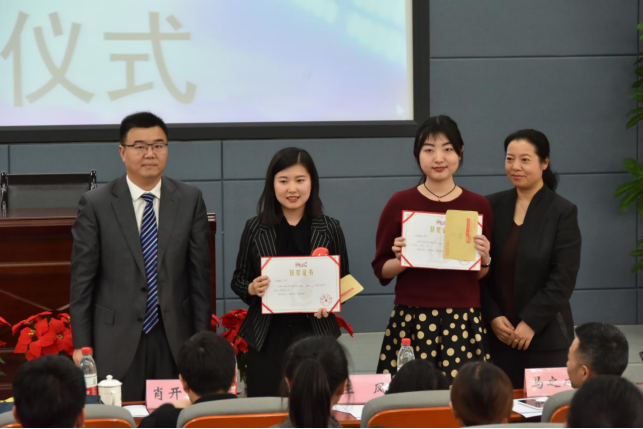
(342,324)
(48,338)
(57,325)
(51,350)
(26,336)
(4,322)
(242,345)
(2,344)
(35,349)
(41,327)
(65,316)
(21,348)
(214,322)
(30,355)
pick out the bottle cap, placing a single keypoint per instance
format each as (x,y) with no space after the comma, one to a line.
(321,251)
(406,341)
(86,350)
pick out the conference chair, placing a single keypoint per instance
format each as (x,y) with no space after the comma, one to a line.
(21,191)
(523,425)
(96,416)
(235,413)
(557,407)
(410,409)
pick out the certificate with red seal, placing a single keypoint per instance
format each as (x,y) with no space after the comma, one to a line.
(301,284)
(425,237)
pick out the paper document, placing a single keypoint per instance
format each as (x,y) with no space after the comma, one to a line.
(353,410)
(137,410)
(459,230)
(350,287)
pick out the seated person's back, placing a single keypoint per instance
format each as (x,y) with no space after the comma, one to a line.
(207,368)
(49,392)
(481,394)
(315,376)
(416,376)
(606,401)
(598,349)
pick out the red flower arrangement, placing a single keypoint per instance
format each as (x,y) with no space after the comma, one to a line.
(2,343)
(44,334)
(3,322)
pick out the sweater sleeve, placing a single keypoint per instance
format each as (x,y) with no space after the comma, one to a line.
(388,229)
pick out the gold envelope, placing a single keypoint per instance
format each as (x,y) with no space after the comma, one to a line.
(349,288)
(461,227)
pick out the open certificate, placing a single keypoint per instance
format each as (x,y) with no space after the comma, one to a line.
(424,234)
(301,284)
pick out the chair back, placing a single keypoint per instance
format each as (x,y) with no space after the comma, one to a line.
(239,412)
(555,402)
(560,415)
(22,191)
(416,405)
(96,416)
(436,417)
(522,425)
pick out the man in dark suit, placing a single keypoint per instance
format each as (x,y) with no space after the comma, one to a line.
(140,266)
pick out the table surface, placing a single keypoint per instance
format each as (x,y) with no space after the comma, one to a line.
(349,421)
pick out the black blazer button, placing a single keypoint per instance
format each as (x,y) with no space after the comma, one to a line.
(143,289)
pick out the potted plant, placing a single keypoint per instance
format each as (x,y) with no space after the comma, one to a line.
(631,192)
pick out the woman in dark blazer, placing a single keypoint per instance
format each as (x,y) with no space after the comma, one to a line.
(290,222)
(536,256)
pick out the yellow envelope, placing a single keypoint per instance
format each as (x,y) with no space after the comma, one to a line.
(349,287)
(461,227)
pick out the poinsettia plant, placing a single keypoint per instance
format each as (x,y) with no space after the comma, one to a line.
(45,333)
(2,343)
(232,322)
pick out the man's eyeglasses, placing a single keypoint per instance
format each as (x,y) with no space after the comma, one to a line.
(141,148)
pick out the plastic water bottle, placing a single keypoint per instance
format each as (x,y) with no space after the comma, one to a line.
(405,354)
(88,367)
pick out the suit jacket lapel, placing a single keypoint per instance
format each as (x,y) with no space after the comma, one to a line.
(167,212)
(266,241)
(319,236)
(124,211)
(504,220)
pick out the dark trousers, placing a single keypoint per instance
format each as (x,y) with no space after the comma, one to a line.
(265,372)
(153,361)
(514,362)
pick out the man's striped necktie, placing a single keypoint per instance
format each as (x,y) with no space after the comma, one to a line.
(149,243)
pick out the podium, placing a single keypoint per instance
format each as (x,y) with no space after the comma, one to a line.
(35,253)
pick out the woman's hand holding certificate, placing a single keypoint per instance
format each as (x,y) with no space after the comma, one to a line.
(301,284)
(428,243)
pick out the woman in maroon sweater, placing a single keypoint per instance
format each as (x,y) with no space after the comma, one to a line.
(438,309)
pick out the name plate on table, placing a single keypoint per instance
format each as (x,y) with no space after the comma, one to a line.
(301,284)
(159,392)
(363,388)
(424,234)
(546,381)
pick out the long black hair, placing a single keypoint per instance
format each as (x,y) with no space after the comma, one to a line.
(417,376)
(433,127)
(541,144)
(316,367)
(269,210)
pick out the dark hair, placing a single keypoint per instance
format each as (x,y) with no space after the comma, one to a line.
(315,366)
(269,210)
(606,401)
(49,392)
(140,120)
(541,144)
(481,394)
(433,127)
(603,348)
(416,376)
(207,363)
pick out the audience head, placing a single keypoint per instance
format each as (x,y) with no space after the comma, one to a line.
(316,373)
(527,160)
(438,143)
(606,401)
(481,394)
(292,183)
(49,392)
(206,365)
(598,349)
(418,375)
(143,148)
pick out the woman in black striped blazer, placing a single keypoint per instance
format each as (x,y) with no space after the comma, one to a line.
(290,222)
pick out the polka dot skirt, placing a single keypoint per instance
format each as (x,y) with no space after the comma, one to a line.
(449,337)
